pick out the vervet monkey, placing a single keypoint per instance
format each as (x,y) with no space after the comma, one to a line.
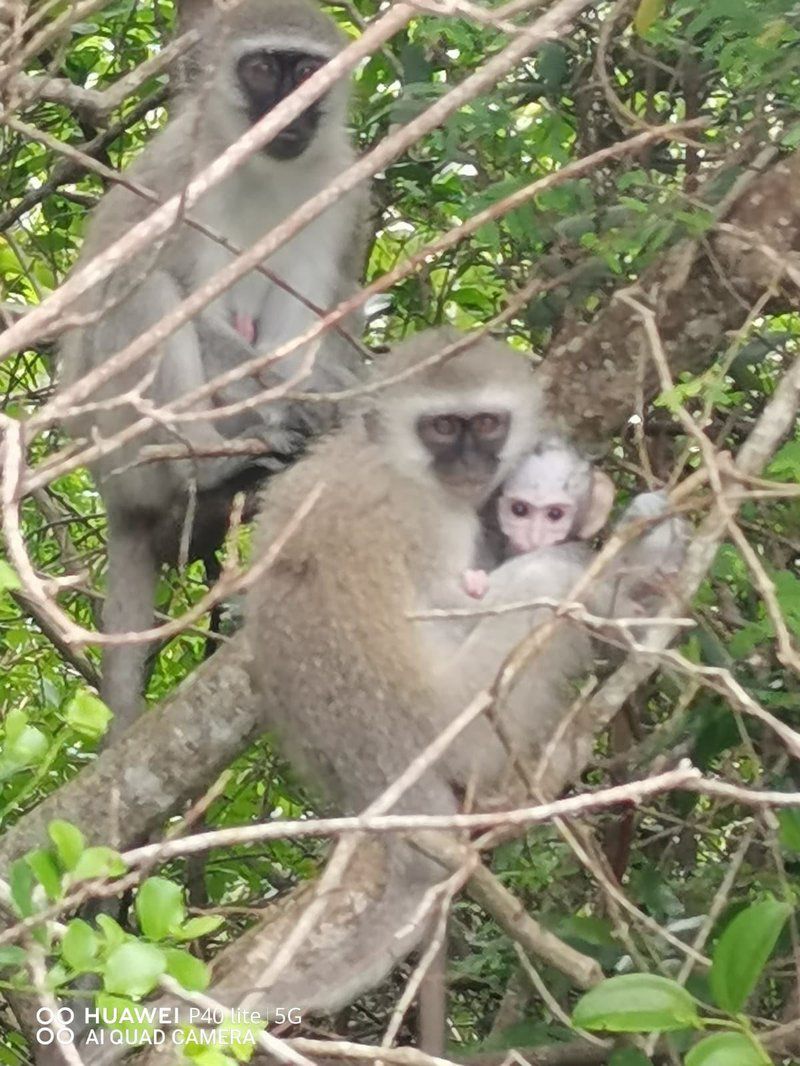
(252,55)
(353,684)
(554,495)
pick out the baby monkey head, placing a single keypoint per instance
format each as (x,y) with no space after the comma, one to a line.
(553,496)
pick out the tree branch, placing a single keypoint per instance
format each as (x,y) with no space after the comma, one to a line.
(699,293)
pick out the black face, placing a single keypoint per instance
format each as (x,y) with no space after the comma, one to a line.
(465,449)
(267,77)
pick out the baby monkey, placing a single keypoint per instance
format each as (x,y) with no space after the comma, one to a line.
(553,496)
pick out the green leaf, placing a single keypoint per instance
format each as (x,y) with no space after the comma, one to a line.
(96,862)
(133,969)
(9,582)
(206,1056)
(197,927)
(191,973)
(552,65)
(15,723)
(789,832)
(629,1056)
(674,398)
(58,975)
(24,744)
(785,465)
(726,1049)
(29,747)
(241,1037)
(647,13)
(787,589)
(69,842)
(742,951)
(79,945)
(637,1003)
(46,872)
(12,956)
(159,907)
(87,715)
(21,882)
(112,931)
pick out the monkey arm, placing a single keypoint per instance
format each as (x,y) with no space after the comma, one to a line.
(634,582)
(155,384)
(541,686)
(223,347)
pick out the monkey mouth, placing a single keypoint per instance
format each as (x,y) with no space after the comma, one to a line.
(288,144)
(292,141)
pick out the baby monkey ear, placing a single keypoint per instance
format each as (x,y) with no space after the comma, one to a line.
(599,506)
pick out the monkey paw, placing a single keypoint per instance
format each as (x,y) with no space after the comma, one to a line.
(280,442)
(476,583)
(665,542)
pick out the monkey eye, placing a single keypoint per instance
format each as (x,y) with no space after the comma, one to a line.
(304,68)
(490,424)
(555,514)
(486,424)
(520,509)
(445,425)
(259,71)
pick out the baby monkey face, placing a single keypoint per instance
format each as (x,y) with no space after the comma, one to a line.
(532,520)
(553,496)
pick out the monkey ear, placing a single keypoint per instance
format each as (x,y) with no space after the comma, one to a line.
(602,497)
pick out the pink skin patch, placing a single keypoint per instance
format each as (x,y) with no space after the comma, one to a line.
(245,326)
(476,583)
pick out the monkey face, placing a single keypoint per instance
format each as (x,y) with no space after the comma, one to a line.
(465,449)
(532,520)
(267,77)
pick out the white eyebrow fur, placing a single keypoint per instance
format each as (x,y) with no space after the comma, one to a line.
(284,42)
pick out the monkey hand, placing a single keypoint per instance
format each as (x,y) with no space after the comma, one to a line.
(660,548)
(642,572)
(476,583)
(281,441)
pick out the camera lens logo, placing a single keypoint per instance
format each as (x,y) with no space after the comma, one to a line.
(55,1025)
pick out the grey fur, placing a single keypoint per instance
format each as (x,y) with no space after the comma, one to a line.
(353,686)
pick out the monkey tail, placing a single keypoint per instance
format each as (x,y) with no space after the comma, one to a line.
(375,916)
(130,591)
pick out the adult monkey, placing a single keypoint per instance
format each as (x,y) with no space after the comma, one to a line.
(250,57)
(353,684)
